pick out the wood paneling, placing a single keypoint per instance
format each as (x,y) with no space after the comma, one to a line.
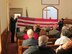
(67,21)
(4,36)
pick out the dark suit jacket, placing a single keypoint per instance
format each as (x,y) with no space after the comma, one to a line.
(30,42)
(12,24)
(39,50)
(37,30)
(60,23)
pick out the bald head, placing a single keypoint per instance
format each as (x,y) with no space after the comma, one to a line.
(42,40)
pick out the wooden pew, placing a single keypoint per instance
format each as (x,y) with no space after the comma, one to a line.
(67,21)
(51,41)
(53,46)
(22,48)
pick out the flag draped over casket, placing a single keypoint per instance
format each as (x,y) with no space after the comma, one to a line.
(22,21)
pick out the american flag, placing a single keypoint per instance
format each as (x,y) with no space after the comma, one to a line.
(24,21)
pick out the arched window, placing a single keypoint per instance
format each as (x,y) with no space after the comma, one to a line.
(50,13)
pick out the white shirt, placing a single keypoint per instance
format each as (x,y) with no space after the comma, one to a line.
(62,40)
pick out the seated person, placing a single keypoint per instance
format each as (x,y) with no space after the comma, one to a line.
(21,31)
(36,28)
(54,32)
(42,48)
(64,37)
(65,48)
(70,29)
(31,41)
(42,32)
(25,36)
(48,29)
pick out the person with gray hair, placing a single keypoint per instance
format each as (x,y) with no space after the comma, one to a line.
(64,36)
(42,47)
(54,32)
(42,40)
(31,41)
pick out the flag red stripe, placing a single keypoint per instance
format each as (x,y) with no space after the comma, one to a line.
(20,25)
(35,23)
(38,19)
(22,21)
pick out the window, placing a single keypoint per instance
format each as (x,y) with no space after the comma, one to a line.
(50,13)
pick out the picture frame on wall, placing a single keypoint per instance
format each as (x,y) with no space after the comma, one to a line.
(46,2)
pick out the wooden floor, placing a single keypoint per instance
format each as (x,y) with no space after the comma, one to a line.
(11,47)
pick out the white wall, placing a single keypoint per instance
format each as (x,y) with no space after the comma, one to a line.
(4,17)
(0,35)
(35,7)
(4,14)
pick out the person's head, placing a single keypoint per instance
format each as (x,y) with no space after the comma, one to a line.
(42,40)
(22,29)
(70,28)
(42,32)
(55,26)
(12,16)
(34,27)
(38,25)
(65,32)
(62,18)
(30,33)
(66,26)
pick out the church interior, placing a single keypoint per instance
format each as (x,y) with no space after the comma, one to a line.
(17,16)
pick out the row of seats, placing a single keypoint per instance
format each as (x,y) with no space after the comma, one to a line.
(51,42)
(22,48)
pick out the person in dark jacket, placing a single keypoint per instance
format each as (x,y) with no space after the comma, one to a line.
(36,28)
(41,48)
(12,28)
(61,23)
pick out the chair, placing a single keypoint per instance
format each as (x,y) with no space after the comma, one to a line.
(20,42)
(20,47)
